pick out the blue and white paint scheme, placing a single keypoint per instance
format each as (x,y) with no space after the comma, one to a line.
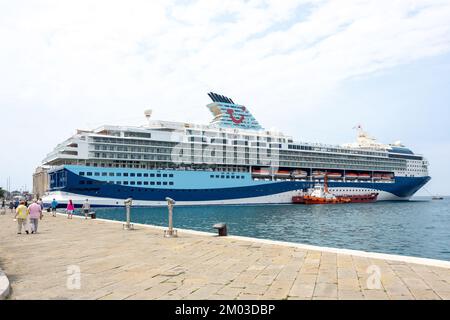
(231,161)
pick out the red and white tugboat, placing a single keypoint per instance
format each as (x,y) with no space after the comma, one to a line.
(321,195)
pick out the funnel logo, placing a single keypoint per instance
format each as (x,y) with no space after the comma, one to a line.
(235,120)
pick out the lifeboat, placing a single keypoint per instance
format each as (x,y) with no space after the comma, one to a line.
(299,174)
(334,175)
(351,176)
(363,176)
(377,176)
(261,172)
(283,173)
(318,174)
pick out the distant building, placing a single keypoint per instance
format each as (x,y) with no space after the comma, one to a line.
(40,182)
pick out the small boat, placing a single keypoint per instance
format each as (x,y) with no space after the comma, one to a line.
(261,172)
(363,176)
(351,175)
(334,175)
(363,198)
(318,174)
(283,173)
(437,198)
(388,176)
(299,174)
(377,176)
(321,195)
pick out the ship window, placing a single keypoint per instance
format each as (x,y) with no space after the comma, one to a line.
(132,183)
(171,183)
(89,182)
(82,182)
(165,183)
(238,177)
(152,183)
(139,174)
(211,176)
(104,174)
(89,173)
(145,183)
(118,174)
(222,177)
(125,174)
(228,177)
(232,177)
(111,174)
(158,175)
(242,177)
(164,175)
(125,182)
(152,174)
(171,175)
(81,173)
(118,182)
(132,174)
(146,175)
(158,183)
(217,176)
(139,183)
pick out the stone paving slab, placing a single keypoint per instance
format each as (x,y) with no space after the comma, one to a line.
(95,259)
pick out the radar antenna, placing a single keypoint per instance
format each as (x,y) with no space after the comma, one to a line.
(148,115)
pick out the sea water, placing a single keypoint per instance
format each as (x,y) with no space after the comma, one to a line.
(418,228)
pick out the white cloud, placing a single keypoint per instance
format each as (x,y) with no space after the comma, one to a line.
(83,63)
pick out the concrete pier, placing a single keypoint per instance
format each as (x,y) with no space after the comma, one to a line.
(95,259)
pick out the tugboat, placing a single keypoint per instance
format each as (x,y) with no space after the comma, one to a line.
(321,195)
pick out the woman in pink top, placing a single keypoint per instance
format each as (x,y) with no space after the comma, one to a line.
(69,209)
(35,211)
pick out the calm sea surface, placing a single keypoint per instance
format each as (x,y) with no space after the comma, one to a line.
(416,228)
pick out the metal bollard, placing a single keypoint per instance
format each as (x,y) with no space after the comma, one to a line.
(221,228)
(170,233)
(128,225)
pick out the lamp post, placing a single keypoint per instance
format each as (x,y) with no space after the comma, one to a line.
(170,233)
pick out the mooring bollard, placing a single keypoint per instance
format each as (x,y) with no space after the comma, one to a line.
(170,233)
(128,225)
(221,228)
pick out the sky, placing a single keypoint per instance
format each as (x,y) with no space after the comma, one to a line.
(312,69)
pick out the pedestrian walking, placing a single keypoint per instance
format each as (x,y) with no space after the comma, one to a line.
(54,205)
(41,204)
(11,206)
(16,203)
(86,208)
(3,209)
(70,208)
(35,214)
(21,216)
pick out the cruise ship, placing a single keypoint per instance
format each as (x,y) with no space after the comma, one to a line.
(232,160)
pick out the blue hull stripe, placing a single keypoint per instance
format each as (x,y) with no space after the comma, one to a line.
(403,187)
